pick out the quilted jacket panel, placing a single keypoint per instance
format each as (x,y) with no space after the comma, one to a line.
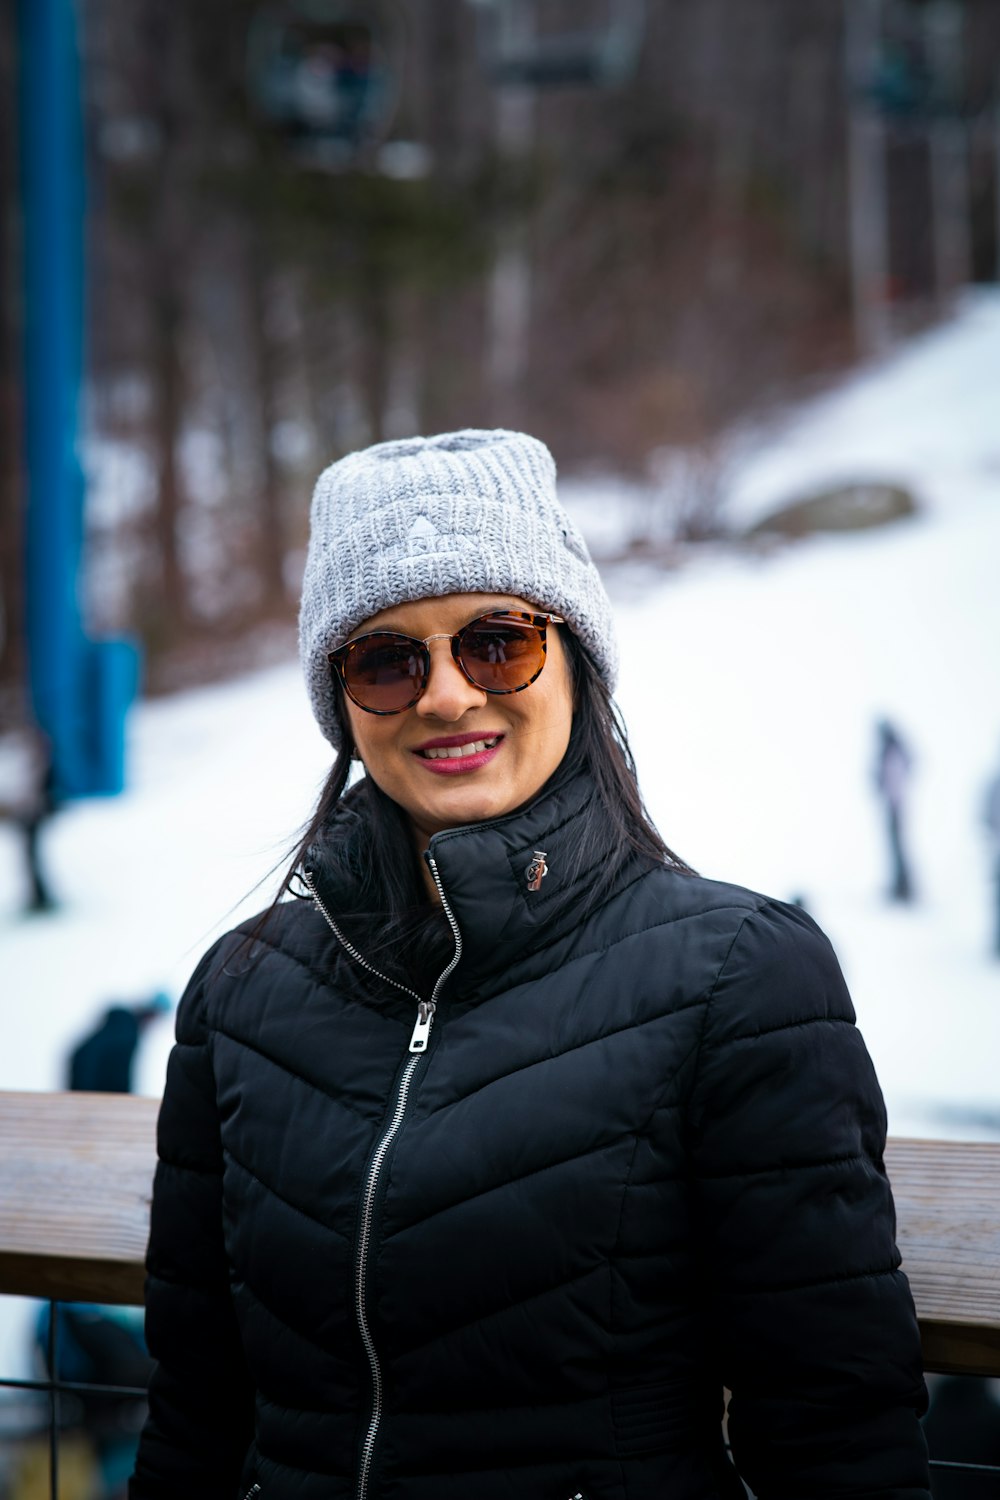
(641,1160)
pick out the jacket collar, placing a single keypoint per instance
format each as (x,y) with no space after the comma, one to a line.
(483,869)
(486,872)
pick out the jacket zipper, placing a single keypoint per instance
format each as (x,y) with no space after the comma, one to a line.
(251,1492)
(417,1047)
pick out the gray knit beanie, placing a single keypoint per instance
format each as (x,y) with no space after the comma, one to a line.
(464,512)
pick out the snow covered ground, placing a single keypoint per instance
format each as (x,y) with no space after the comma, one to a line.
(750,685)
(928,416)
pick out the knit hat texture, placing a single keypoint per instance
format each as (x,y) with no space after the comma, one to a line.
(463,512)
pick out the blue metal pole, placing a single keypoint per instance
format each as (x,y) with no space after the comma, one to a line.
(80,689)
(52,186)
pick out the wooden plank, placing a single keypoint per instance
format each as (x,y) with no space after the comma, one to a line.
(948,1208)
(76,1173)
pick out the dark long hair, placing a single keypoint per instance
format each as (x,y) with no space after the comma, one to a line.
(361,833)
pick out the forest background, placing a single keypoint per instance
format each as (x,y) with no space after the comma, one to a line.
(638,272)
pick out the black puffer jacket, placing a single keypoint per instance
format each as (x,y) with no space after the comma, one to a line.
(639,1159)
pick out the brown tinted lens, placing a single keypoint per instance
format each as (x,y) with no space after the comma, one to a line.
(384,672)
(501,653)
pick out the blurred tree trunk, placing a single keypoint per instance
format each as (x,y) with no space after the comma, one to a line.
(272,541)
(165,430)
(167,268)
(376,332)
(320,338)
(438,336)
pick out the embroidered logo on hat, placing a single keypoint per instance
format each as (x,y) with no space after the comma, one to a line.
(422,536)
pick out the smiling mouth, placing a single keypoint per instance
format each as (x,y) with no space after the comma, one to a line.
(459,752)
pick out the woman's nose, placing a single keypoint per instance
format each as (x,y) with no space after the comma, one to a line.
(449,693)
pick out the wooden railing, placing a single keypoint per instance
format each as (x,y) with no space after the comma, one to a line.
(76,1172)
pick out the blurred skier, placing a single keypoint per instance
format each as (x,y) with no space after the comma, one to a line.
(991,817)
(892,776)
(102,1062)
(40,810)
(30,803)
(104,1346)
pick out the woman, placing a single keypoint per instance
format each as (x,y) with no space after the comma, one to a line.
(487,1166)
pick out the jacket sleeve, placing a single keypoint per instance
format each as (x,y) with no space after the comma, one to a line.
(200,1420)
(813,1326)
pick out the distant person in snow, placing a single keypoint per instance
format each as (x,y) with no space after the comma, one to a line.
(42,808)
(505,1143)
(991,817)
(30,808)
(104,1346)
(102,1062)
(892,777)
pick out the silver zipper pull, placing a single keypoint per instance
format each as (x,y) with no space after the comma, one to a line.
(422,1030)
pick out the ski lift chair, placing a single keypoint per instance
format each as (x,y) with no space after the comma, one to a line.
(602,53)
(326,74)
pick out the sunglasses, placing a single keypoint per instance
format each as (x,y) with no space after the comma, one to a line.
(386,672)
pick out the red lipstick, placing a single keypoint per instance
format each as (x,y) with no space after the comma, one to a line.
(445,762)
(445,741)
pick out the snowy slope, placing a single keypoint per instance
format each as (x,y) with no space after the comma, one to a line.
(750,687)
(927,415)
